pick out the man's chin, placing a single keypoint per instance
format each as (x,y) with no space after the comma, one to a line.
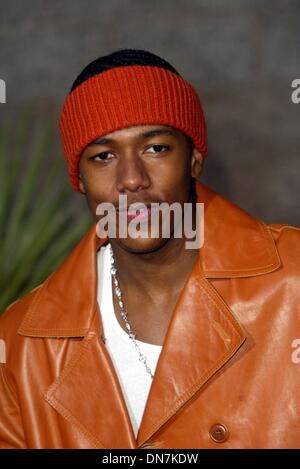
(141,245)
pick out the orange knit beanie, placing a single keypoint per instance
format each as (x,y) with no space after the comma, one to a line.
(126,96)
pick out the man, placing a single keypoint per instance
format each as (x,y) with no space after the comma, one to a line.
(138,341)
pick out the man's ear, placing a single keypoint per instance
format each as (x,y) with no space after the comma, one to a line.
(196,163)
(80,184)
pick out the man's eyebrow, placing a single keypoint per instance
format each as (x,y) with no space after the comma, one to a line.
(147,134)
(155,132)
(101,141)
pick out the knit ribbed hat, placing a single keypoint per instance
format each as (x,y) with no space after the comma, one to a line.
(123,97)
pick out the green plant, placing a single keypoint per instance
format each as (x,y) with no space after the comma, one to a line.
(38,223)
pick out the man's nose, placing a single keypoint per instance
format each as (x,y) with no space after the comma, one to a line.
(132,174)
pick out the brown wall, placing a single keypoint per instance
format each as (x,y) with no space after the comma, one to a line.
(241,56)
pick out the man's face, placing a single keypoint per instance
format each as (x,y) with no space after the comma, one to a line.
(148,163)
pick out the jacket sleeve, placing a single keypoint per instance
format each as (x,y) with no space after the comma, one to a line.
(11,428)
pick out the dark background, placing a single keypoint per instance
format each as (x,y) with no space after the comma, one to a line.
(241,56)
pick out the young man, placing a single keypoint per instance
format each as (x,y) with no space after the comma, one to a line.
(138,341)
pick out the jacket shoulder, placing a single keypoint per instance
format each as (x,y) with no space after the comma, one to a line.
(279,230)
(11,318)
(287,240)
(281,226)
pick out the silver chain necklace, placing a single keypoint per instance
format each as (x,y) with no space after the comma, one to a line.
(124,314)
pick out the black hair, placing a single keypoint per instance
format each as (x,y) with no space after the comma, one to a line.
(123,58)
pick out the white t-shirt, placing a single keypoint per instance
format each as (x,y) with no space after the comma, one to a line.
(134,379)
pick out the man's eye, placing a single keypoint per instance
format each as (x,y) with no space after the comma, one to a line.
(158,148)
(101,156)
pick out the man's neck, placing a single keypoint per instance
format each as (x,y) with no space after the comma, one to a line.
(159,271)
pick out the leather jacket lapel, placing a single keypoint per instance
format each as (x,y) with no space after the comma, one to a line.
(88,394)
(202,337)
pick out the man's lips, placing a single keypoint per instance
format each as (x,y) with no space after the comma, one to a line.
(139,214)
(137,211)
(132,207)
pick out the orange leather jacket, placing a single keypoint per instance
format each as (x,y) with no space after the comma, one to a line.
(229,372)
